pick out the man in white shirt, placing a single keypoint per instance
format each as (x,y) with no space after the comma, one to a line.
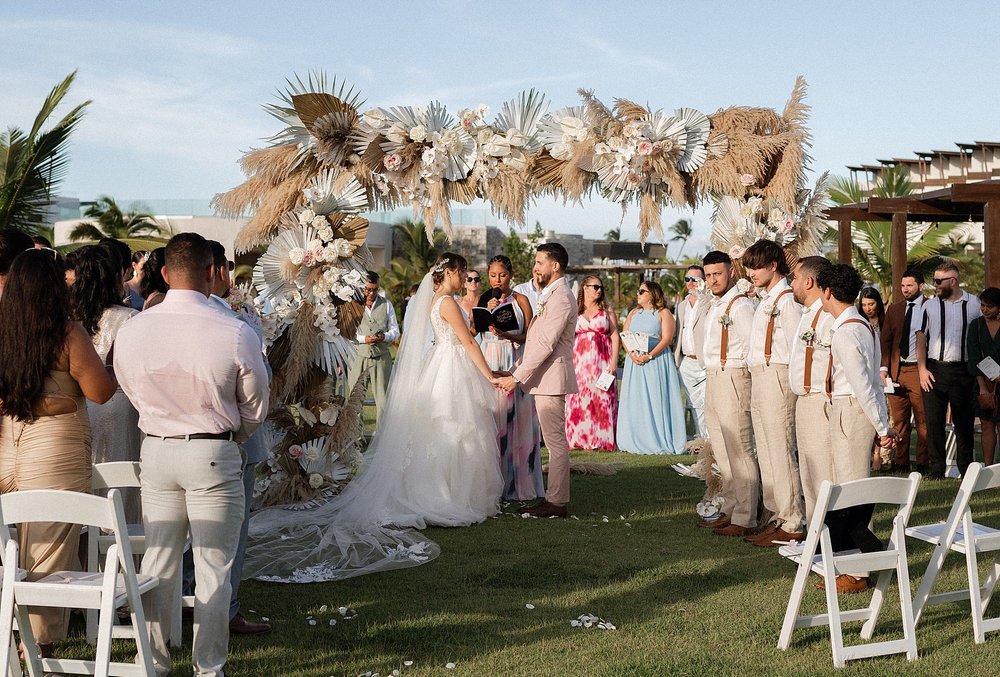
(690,322)
(727,397)
(807,377)
(198,381)
(532,291)
(772,402)
(376,330)
(942,361)
(857,410)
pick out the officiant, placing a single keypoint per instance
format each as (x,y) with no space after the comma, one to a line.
(377,329)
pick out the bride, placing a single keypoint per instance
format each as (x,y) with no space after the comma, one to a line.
(434,459)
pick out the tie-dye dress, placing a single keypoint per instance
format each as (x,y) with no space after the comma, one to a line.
(591,412)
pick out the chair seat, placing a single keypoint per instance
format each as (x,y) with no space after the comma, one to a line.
(81,586)
(932,533)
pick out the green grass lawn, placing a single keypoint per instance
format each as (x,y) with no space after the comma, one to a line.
(684,600)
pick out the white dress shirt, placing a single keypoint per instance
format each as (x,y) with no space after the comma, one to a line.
(741,318)
(785,322)
(532,292)
(856,360)
(821,350)
(687,331)
(929,322)
(187,368)
(392,333)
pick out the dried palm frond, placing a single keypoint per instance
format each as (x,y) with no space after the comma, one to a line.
(599,115)
(350,423)
(349,315)
(301,351)
(810,223)
(523,114)
(630,110)
(334,190)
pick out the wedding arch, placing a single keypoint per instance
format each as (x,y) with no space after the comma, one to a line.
(331,162)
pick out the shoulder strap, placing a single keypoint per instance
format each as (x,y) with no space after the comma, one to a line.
(965,327)
(724,348)
(769,335)
(810,349)
(829,366)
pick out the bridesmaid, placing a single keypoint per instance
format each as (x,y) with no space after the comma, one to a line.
(591,412)
(651,412)
(520,436)
(983,340)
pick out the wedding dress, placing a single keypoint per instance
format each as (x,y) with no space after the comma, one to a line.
(434,460)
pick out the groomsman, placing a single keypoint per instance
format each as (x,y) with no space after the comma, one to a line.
(772,402)
(807,376)
(377,329)
(857,409)
(898,337)
(690,321)
(727,397)
(942,361)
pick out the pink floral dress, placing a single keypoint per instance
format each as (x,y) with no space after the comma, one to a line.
(591,413)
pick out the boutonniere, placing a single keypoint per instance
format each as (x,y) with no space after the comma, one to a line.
(825,341)
(725,320)
(808,336)
(773,310)
(743,285)
(541,308)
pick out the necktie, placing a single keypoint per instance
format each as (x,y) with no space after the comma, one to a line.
(904,338)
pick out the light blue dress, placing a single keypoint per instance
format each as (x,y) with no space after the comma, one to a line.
(650,407)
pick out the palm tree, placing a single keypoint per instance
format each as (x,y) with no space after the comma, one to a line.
(417,257)
(682,230)
(111,221)
(33,163)
(615,234)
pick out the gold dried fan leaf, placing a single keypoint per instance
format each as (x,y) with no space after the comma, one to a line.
(463,192)
(314,105)
(352,228)
(349,316)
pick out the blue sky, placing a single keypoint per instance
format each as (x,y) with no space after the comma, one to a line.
(177,86)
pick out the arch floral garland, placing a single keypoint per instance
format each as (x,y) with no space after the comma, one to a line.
(331,161)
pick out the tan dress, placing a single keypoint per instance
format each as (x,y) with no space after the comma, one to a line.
(51,452)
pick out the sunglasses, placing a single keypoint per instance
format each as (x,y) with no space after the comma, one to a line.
(642,291)
(942,280)
(595,287)
(472,279)
(688,278)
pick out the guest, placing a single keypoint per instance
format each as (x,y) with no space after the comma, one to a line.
(12,243)
(727,397)
(472,286)
(772,401)
(530,289)
(171,360)
(96,302)
(121,251)
(690,319)
(520,439)
(133,286)
(651,414)
(872,308)
(153,287)
(983,342)
(898,340)
(377,329)
(943,325)
(50,367)
(41,242)
(70,261)
(857,410)
(591,412)
(807,376)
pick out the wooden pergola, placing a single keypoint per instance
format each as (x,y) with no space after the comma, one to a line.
(616,270)
(975,202)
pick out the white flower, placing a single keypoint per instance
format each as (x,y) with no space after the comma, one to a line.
(375,117)
(397,134)
(311,455)
(418,133)
(742,284)
(344,292)
(393,162)
(561,151)
(736,251)
(516,138)
(353,277)
(429,156)
(602,149)
(516,159)
(313,194)
(315,480)
(319,221)
(498,146)
(325,232)
(296,255)
(756,204)
(329,414)
(482,110)
(306,216)
(616,143)
(343,248)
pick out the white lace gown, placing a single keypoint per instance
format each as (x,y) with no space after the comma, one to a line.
(434,460)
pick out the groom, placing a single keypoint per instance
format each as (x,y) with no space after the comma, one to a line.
(546,370)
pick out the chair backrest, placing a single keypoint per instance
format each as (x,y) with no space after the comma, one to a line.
(116,474)
(52,505)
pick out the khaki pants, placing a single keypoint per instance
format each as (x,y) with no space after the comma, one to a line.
(195,484)
(772,410)
(693,376)
(812,432)
(551,410)
(851,439)
(908,398)
(727,417)
(378,375)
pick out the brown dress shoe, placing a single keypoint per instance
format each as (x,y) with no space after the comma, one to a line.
(734,530)
(771,539)
(528,508)
(846,584)
(719,522)
(241,626)
(546,509)
(763,534)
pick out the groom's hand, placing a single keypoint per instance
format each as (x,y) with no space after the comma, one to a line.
(506,383)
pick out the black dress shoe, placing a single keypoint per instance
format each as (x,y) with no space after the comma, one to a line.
(241,626)
(528,508)
(546,509)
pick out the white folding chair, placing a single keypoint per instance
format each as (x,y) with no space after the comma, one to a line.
(954,535)
(123,475)
(9,574)
(118,585)
(817,554)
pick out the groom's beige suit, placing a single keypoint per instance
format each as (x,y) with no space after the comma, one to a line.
(546,371)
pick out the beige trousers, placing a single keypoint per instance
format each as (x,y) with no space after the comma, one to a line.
(727,417)
(772,411)
(378,376)
(851,438)
(812,433)
(196,485)
(551,410)
(53,452)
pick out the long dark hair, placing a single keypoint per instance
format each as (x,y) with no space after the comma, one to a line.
(35,312)
(98,286)
(872,293)
(152,274)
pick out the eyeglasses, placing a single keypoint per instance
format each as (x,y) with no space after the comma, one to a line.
(642,291)
(942,280)
(472,279)
(595,287)
(55,254)
(688,278)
